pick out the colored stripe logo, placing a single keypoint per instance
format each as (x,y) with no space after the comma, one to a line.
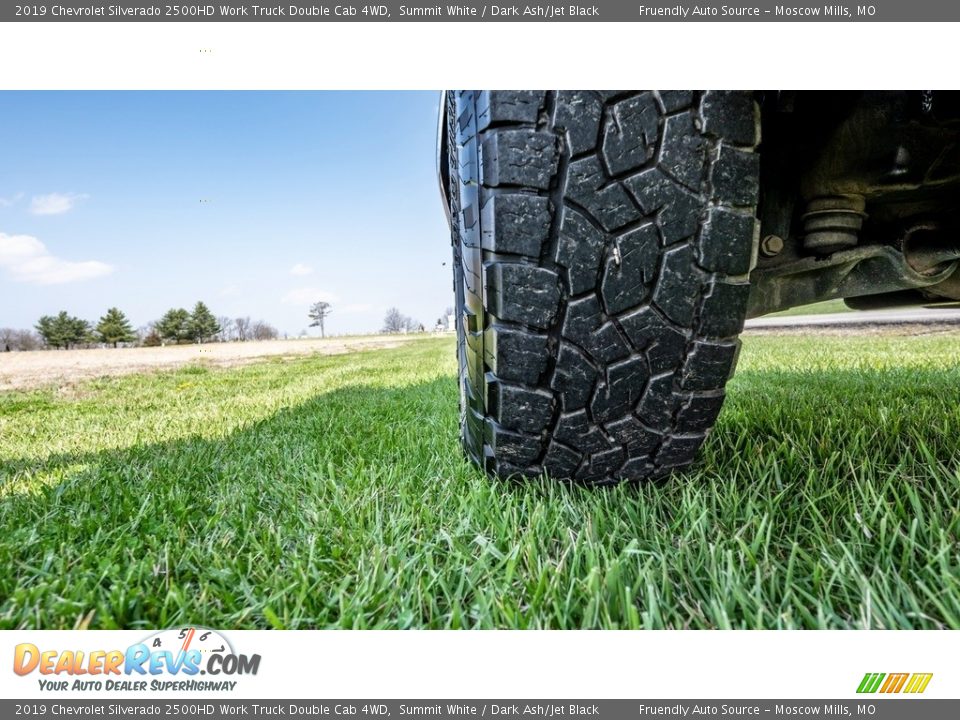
(894,683)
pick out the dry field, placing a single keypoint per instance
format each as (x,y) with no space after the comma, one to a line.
(29,370)
(25,370)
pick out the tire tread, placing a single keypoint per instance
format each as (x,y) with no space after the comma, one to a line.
(602,250)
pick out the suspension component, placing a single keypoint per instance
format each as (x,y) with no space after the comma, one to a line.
(833,223)
(929,249)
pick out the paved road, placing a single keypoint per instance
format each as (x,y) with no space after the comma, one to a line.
(913,316)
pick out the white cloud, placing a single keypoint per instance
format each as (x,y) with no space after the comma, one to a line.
(55,203)
(229,290)
(12,200)
(27,260)
(301,269)
(307,296)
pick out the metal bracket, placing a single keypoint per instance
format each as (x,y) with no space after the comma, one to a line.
(864,270)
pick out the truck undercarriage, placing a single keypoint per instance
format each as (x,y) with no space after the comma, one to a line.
(858,199)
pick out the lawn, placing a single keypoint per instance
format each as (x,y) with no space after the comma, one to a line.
(827,307)
(331,492)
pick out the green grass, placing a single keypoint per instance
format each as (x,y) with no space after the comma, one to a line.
(331,492)
(827,307)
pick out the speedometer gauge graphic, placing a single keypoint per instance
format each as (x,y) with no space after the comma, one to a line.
(177,640)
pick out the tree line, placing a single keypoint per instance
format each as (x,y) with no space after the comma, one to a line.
(176,326)
(396,322)
(64,331)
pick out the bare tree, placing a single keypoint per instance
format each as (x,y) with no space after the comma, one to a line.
(27,340)
(242,326)
(144,331)
(226,329)
(395,321)
(319,311)
(12,339)
(263,330)
(151,338)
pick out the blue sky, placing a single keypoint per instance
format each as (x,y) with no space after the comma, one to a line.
(256,203)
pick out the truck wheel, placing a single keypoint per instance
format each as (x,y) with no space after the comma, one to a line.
(602,248)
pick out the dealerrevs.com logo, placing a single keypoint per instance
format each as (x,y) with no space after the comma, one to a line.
(169,660)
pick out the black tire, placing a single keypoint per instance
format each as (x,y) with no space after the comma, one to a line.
(602,248)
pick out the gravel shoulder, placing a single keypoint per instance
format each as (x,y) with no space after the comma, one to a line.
(27,370)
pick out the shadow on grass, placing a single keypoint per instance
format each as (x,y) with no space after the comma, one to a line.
(821,501)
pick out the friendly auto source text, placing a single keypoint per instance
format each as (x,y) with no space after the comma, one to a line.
(701,11)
